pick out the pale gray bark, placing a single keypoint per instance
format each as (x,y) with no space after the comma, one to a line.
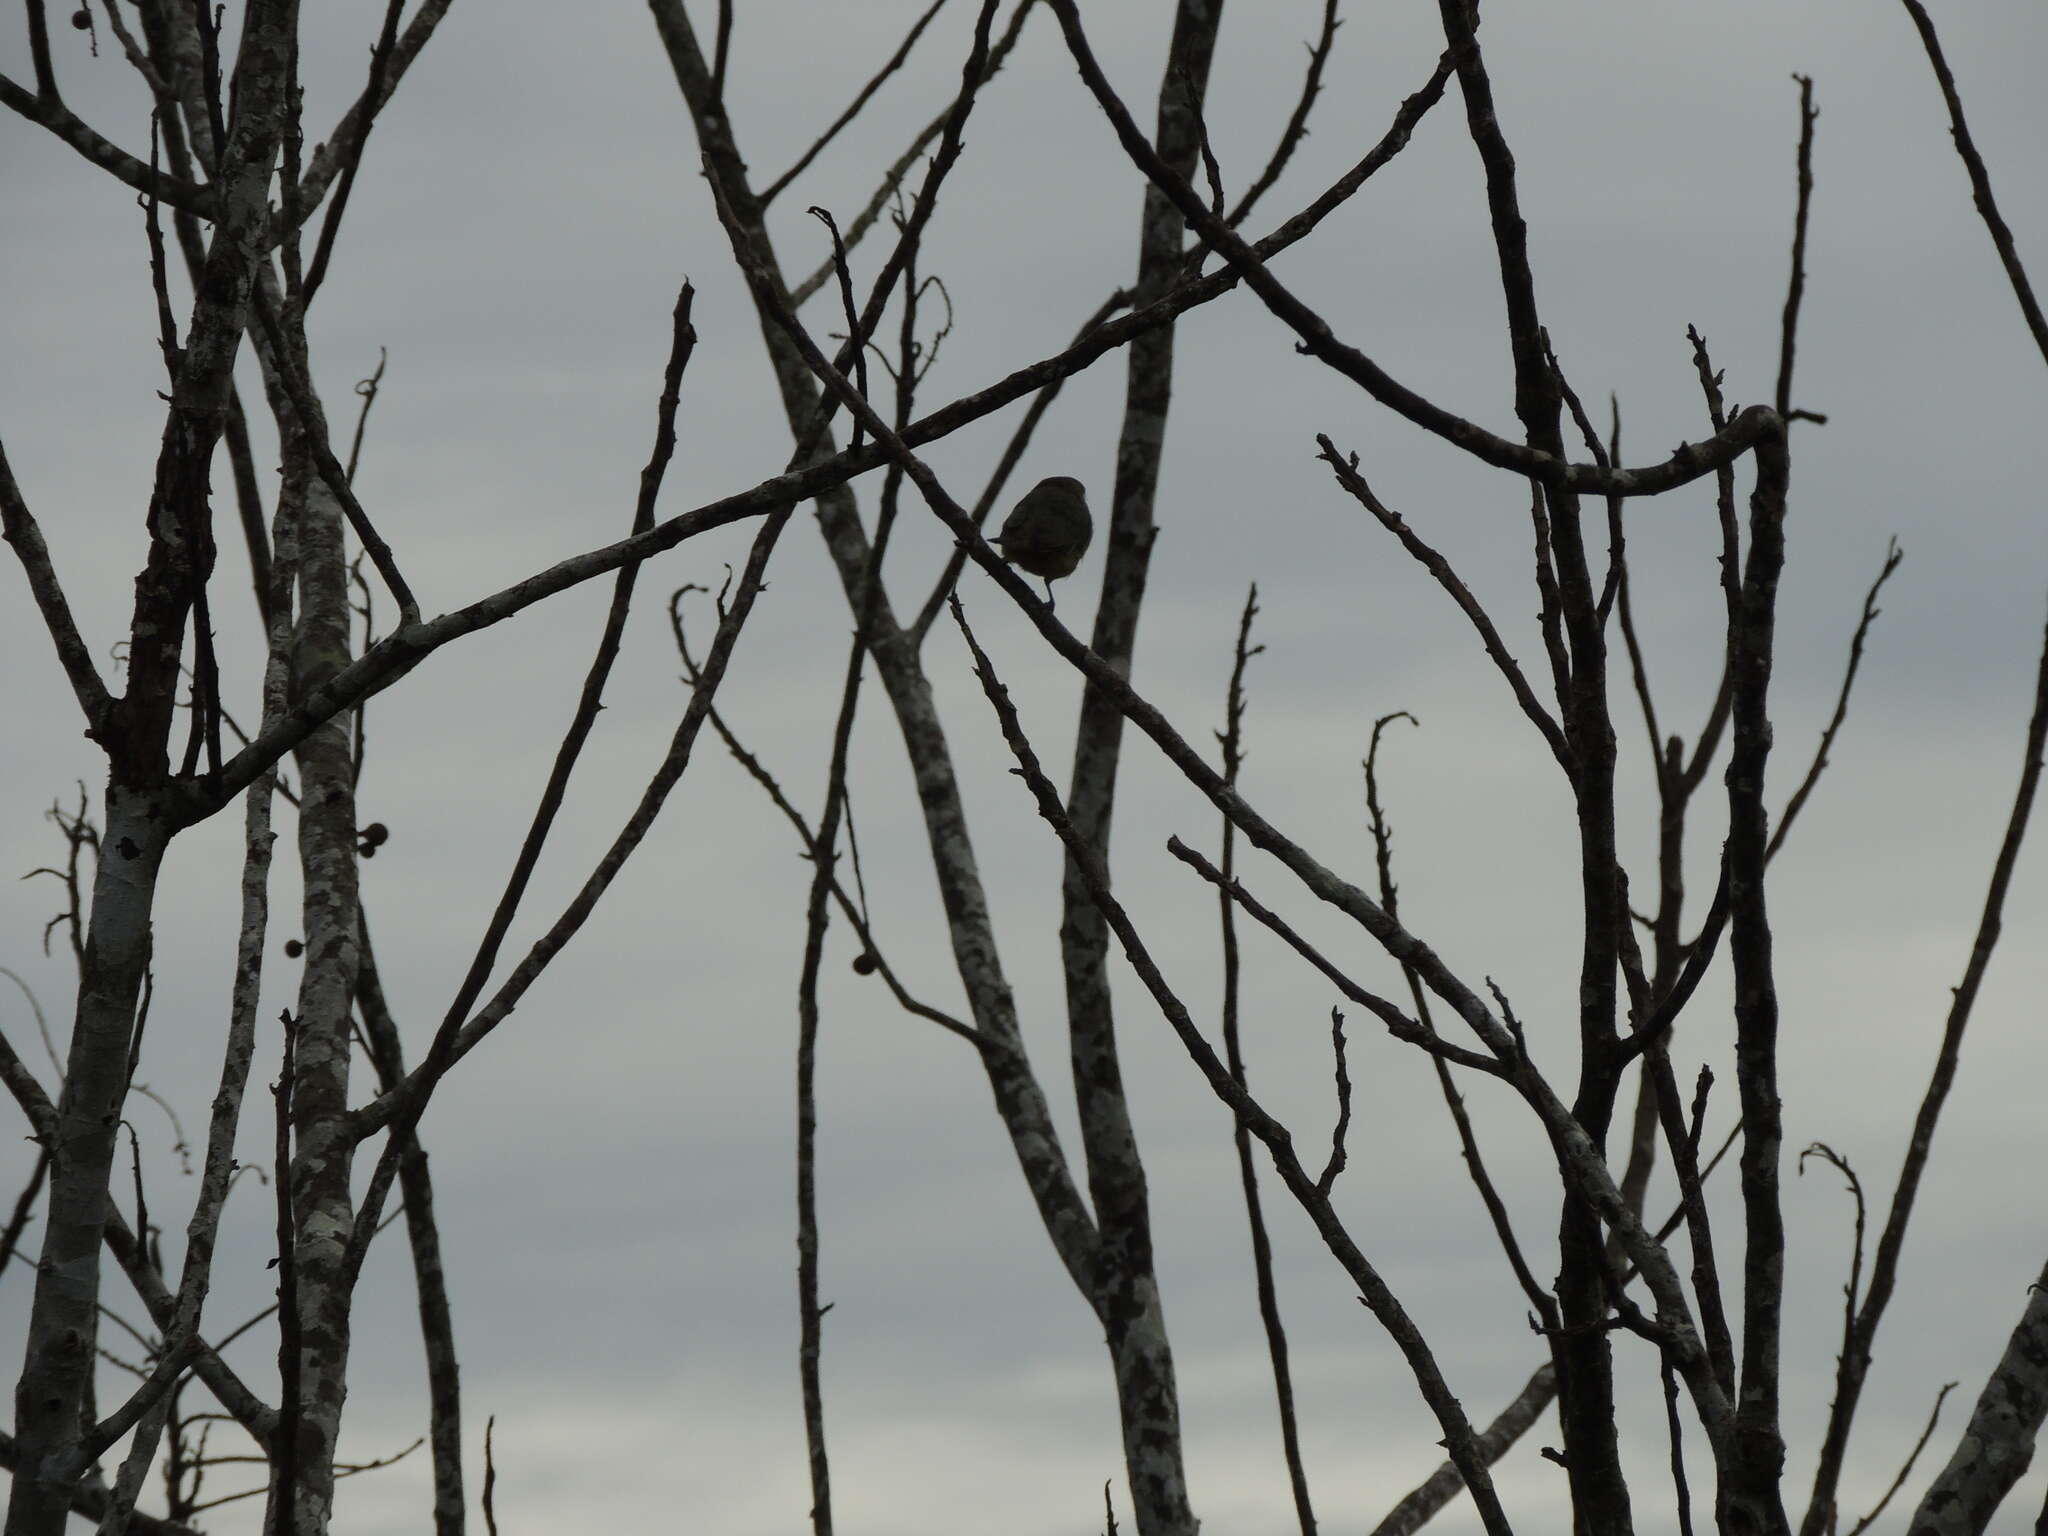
(1020,1101)
(63,1321)
(1997,1445)
(1124,1293)
(142,814)
(1106,1249)
(318,646)
(1126,1277)
(1445,1484)
(323,1151)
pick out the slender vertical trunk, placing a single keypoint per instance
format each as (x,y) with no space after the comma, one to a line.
(1585,1364)
(1019,1097)
(323,1211)
(63,1328)
(1126,1280)
(1751,1497)
(437,1322)
(142,805)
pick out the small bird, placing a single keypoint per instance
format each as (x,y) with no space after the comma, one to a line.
(1048,531)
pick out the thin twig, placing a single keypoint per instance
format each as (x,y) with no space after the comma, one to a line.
(366,391)
(1679,1490)
(1853,1367)
(1013,452)
(899,170)
(818,912)
(1399,1025)
(853,910)
(1231,739)
(352,158)
(1579,1160)
(1297,121)
(1348,476)
(1687,462)
(297,388)
(1796,289)
(803,161)
(1374,1293)
(1541,1300)
(326,161)
(1892,556)
(1852,1291)
(24,1206)
(856,338)
(406,647)
(682,346)
(166,322)
(1906,1471)
(1444,1484)
(1327,1179)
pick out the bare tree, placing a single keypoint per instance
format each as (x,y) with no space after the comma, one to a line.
(228,167)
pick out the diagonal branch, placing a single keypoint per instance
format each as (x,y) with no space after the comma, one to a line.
(329,159)
(803,161)
(1996,1445)
(1348,476)
(856,917)
(313,420)
(682,346)
(1297,121)
(1687,462)
(1852,1369)
(1315,1200)
(900,169)
(406,647)
(1579,1158)
(1445,1483)
(400,1109)
(380,66)
(1906,1469)
(108,156)
(1892,556)
(1013,452)
(1468,1141)
(1399,1025)
(21,531)
(1980,180)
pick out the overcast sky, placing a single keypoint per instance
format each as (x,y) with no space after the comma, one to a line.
(614,1168)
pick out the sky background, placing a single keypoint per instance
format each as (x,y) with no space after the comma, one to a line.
(614,1169)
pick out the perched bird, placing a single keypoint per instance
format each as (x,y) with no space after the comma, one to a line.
(1048,531)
